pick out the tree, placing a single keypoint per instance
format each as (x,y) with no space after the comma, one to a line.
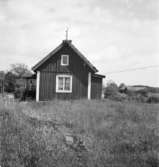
(14,77)
(10,82)
(122,88)
(111,89)
(20,70)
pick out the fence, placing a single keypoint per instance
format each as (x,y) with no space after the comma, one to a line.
(7,98)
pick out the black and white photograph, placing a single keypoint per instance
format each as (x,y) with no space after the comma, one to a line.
(79,83)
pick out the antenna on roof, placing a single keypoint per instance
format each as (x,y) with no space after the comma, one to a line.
(67,33)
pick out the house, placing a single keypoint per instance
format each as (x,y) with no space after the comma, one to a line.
(66,74)
(29,81)
(29,85)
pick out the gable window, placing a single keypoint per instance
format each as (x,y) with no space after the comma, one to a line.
(64,60)
(64,83)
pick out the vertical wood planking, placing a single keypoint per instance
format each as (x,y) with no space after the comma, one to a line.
(96,88)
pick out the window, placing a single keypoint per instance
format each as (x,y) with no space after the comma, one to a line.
(64,83)
(64,60)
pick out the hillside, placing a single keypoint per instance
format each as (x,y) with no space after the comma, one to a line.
(146,88)
(136,93)
(79,133)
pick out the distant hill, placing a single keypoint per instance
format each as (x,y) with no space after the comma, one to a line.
(137,93)
(143,87)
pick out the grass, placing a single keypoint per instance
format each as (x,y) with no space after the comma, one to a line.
(105,134)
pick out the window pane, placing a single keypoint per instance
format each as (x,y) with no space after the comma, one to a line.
(65,59)
(60,83)
(67,83)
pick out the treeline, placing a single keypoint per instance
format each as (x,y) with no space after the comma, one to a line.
(137,93)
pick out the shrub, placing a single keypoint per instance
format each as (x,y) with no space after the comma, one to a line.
(122,88)
(153,99)
(18,93)
(111,89)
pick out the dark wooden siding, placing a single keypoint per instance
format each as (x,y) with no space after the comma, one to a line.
(52,67)
(96,88)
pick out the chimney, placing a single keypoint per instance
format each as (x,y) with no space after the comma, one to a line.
(67,41)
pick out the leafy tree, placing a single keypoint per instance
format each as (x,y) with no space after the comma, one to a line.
(10,82)
(122,88)
(111,89)
(13,82)
(20,70)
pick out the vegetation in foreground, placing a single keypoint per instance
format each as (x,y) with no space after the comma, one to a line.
(79,134)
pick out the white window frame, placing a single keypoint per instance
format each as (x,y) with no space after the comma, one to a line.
(62,60)
(57,83)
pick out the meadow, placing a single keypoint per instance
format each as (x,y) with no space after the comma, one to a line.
(80,133)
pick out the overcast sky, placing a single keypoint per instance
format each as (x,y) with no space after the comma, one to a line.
(113,34)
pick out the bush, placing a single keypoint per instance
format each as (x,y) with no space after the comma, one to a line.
(153,99)
(10,80)
(122,88)
(111,89)
(18,93)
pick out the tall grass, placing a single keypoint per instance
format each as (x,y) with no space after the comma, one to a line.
(105,133)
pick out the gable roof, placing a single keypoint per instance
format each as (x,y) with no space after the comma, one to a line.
(58,48)
(98,76)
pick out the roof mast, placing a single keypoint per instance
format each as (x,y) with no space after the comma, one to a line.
(67,33)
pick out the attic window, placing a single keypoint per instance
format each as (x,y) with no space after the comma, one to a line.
(64,83)
(64,60)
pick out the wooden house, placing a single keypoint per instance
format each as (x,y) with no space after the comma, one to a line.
(65,73)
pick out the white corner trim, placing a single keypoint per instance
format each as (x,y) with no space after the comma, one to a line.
(89,85)
(102,92)
(37,85)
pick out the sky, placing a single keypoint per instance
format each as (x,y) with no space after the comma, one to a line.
(114,35)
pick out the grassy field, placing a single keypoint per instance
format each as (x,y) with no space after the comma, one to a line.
(79,134)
